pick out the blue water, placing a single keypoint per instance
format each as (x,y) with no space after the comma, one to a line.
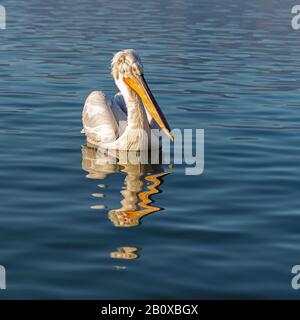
(230,67)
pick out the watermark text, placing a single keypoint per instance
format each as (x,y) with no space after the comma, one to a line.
(2,18)
(2,278)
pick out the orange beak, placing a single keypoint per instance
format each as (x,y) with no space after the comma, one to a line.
(140,86)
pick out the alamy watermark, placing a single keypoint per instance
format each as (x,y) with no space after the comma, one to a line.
(154,147)
(296,278)
(296,19)
(2,18)
(2,278)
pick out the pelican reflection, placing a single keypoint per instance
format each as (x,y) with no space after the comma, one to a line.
(126,253)
(141,182)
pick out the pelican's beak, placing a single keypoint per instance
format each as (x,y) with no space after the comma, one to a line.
(139,85)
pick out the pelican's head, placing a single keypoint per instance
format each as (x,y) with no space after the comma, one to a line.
(127,70)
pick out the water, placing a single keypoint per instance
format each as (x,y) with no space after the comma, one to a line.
(231,68)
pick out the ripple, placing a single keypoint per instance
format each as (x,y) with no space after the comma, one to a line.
(231,68)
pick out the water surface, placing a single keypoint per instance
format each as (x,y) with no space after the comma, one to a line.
(72,229)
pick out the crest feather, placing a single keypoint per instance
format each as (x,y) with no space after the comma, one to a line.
(120,58)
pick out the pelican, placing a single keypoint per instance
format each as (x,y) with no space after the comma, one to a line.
(124,122)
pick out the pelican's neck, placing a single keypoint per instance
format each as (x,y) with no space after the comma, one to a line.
(137,133)
(136,114)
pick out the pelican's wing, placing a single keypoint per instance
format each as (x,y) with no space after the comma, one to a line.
(99,123)
(120,112)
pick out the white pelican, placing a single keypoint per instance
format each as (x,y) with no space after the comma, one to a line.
(123,123)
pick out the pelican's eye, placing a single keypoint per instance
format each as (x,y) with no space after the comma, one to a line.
(134,69)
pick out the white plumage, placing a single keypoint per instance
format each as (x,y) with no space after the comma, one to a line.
(123,123)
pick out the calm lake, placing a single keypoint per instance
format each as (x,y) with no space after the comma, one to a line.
(71,228)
